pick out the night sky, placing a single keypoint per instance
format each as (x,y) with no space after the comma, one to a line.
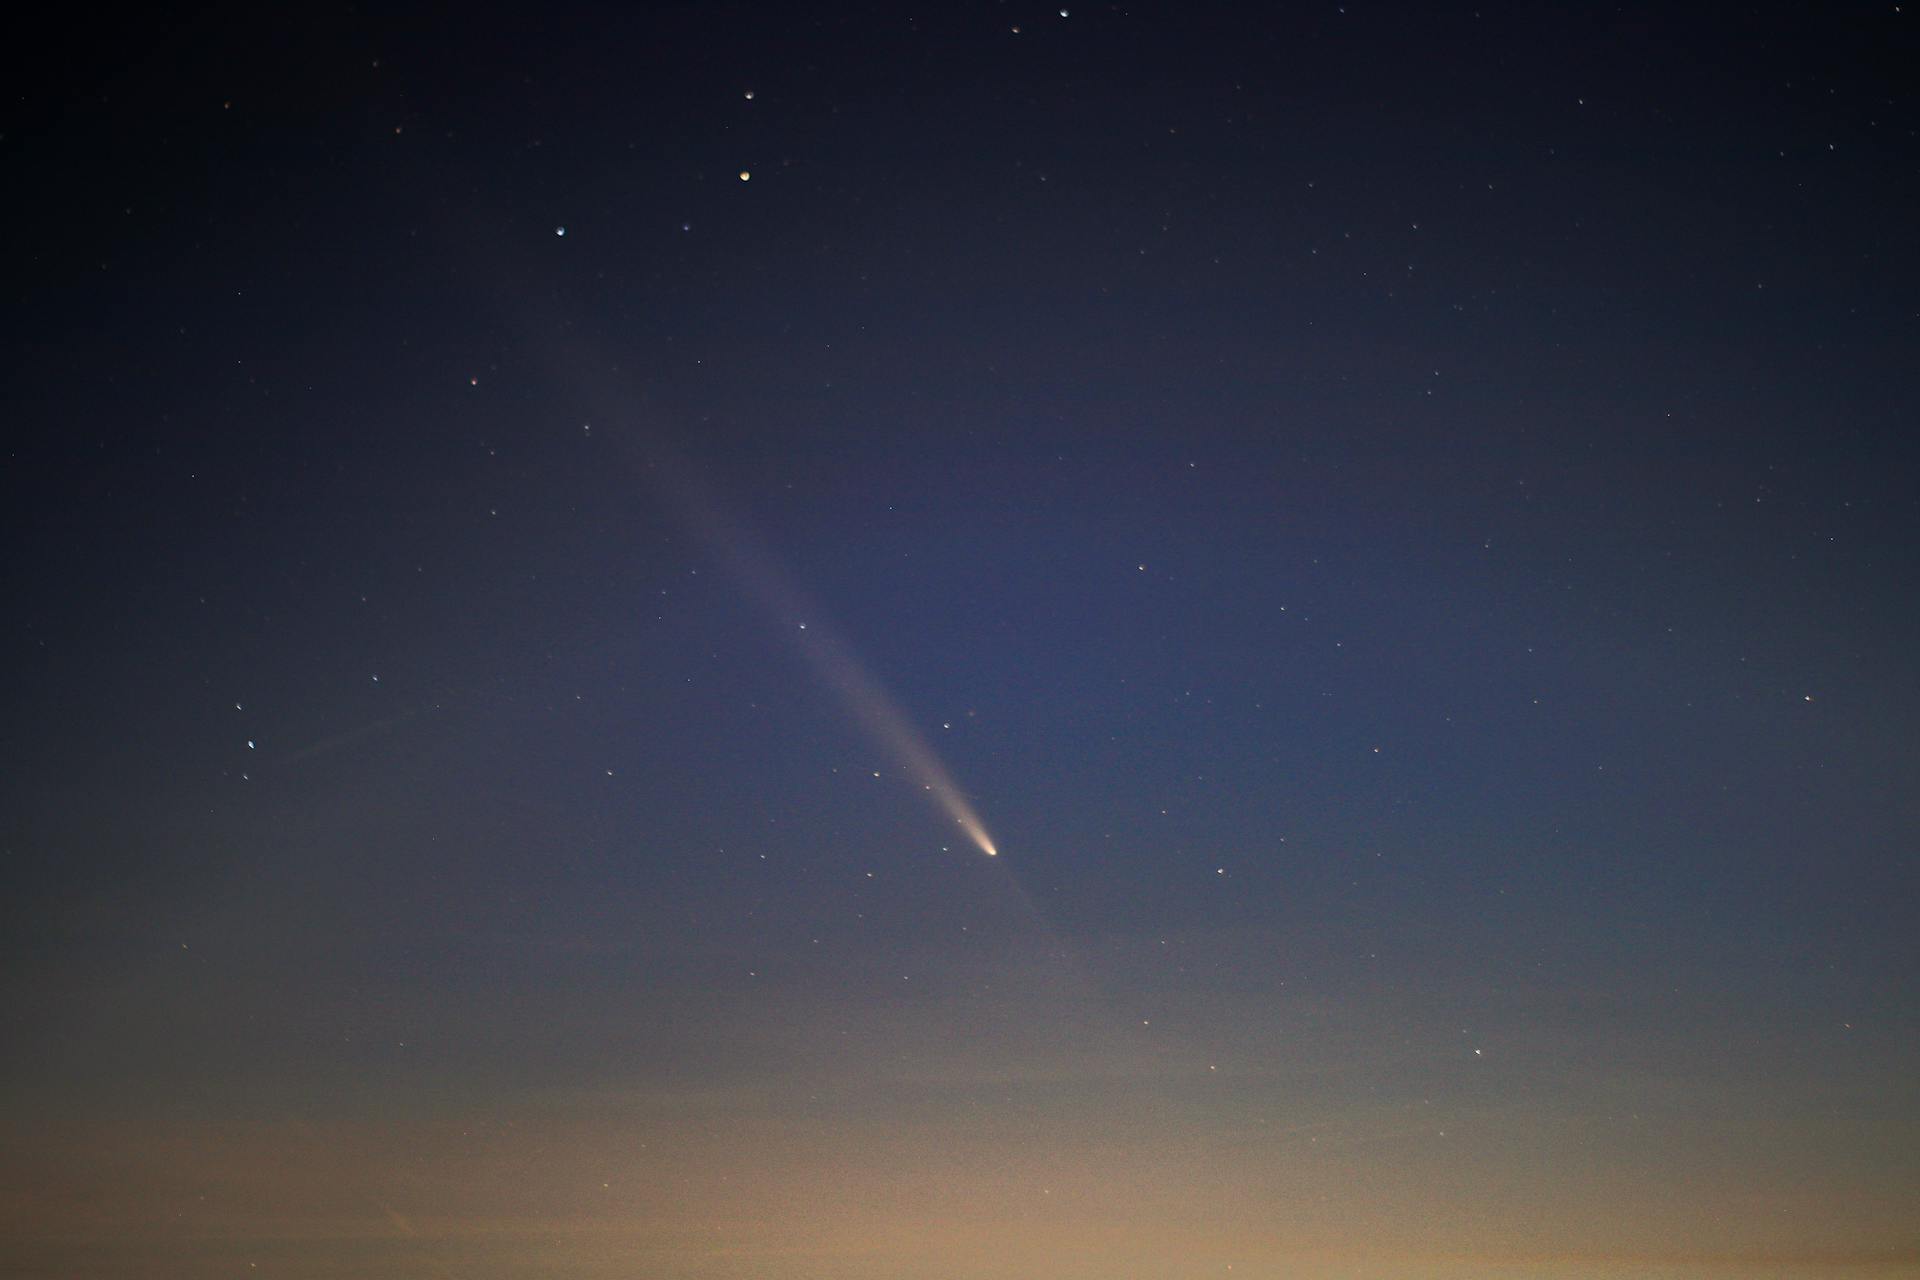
(995,642)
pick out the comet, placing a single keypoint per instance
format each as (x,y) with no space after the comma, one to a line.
(876,711)
(677,482)
(866,699)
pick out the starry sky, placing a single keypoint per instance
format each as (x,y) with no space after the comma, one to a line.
(714,642)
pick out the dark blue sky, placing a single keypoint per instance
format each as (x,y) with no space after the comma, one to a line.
(1399,521)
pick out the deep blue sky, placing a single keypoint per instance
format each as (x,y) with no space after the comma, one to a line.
(1400,521)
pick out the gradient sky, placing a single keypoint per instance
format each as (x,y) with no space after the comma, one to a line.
(530,535)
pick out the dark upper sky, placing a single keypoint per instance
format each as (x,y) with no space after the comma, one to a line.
(1398,524)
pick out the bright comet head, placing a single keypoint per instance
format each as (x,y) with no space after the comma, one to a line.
(970,824)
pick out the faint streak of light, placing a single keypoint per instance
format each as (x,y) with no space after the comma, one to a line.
(346,739)
(882,717)
(677,483)
(405,1228)
(869,702)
